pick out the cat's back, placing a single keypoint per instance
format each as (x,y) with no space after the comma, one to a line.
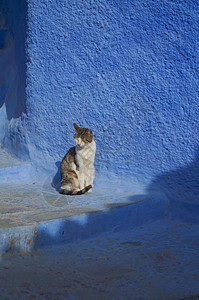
(68,159)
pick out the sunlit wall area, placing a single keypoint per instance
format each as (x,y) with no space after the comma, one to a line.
(126,69)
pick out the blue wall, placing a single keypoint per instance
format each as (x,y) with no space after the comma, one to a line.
(126,69)
(13,76)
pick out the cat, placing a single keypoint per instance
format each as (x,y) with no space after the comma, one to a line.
(77,166)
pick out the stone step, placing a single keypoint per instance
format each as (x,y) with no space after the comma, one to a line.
(12,169)
(33,222)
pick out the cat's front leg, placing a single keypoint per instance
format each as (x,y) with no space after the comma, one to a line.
(81,180)
(92,175)
(89,177)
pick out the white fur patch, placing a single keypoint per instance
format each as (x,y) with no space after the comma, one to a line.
(85,158)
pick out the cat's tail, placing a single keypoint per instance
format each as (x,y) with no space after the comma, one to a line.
(83,191)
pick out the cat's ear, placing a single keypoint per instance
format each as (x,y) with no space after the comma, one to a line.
(90,136)
(76,127)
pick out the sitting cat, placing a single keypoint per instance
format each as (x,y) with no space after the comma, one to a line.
(77,166)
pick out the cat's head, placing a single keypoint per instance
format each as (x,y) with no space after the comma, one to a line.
(83,136)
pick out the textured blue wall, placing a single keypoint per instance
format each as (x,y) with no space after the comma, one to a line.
(126,69)
(13,75)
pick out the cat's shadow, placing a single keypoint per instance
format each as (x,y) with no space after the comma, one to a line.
(56,182)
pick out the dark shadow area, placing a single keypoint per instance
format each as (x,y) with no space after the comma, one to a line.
(56,182)
(13,15)
(181,188)
(92,224)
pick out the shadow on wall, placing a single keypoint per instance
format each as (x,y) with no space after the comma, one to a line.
(181,188)
(12,56)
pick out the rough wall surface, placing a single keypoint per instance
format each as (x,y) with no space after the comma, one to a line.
(13,76)
(126,69)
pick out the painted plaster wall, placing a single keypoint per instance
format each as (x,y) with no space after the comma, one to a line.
(13,76)
(126,69)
